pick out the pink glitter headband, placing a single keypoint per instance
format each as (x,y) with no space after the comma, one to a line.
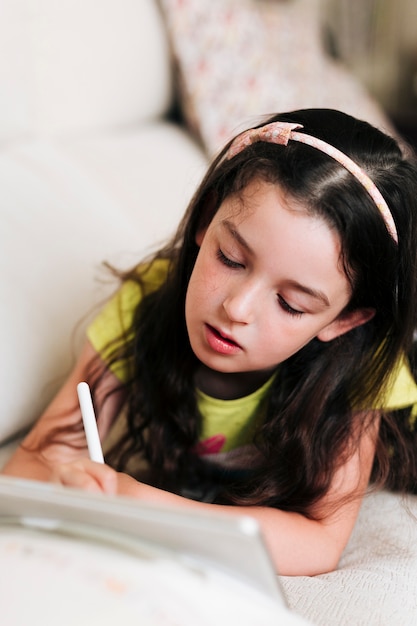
(282,132)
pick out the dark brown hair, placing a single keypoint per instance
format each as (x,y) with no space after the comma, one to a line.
(309,426)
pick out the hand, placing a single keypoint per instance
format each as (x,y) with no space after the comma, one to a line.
(87,475)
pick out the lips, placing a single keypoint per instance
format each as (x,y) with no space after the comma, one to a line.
(221,343)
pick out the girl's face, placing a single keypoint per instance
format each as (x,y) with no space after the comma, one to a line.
(267,279)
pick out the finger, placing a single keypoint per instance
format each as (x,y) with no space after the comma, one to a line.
(105,476)
(72,476)
(87,475)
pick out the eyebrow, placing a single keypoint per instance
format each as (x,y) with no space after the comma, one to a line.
(236,235)
(293,284)
(314,293)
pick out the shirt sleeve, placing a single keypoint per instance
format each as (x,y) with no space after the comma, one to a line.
(401,390)
(113,326)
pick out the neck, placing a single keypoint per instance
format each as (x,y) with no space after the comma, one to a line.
(229,386)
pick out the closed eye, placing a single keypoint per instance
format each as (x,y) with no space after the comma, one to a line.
(226,261)
(289,309)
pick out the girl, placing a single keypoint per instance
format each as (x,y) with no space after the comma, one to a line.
(258,363)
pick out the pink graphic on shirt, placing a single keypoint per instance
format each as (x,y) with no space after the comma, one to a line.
(212,445)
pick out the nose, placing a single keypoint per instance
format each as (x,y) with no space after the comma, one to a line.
(241,304)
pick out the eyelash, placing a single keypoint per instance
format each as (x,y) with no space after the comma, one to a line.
(234,265)
(288,309)
(226,261)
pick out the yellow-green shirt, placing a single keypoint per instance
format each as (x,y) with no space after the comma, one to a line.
(226,424)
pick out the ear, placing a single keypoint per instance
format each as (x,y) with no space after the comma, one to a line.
(345,322)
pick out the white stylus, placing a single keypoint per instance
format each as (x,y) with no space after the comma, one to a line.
(90,423)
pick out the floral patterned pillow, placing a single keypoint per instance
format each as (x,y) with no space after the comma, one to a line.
(239,60)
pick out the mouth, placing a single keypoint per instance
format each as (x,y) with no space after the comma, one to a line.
(221,343)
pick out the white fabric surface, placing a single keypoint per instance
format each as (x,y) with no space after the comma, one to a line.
(78,65)
(89,171)
(376,582)
(68,205)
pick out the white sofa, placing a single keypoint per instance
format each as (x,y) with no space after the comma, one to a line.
(93,168)
(90,169)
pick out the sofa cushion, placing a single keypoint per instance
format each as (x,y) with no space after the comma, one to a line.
(74,65)
(67,206)
(240,59)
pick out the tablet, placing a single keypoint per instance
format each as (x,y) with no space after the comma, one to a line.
(230,544)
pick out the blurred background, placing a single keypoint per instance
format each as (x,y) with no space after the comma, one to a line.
(65,63)
(377,40)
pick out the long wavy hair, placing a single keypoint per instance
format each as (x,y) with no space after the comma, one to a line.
(309,427)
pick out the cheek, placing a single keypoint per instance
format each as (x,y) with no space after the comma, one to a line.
(205,274)
(198,287)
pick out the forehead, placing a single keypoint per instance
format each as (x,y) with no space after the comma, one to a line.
(260,194)
(255,191)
